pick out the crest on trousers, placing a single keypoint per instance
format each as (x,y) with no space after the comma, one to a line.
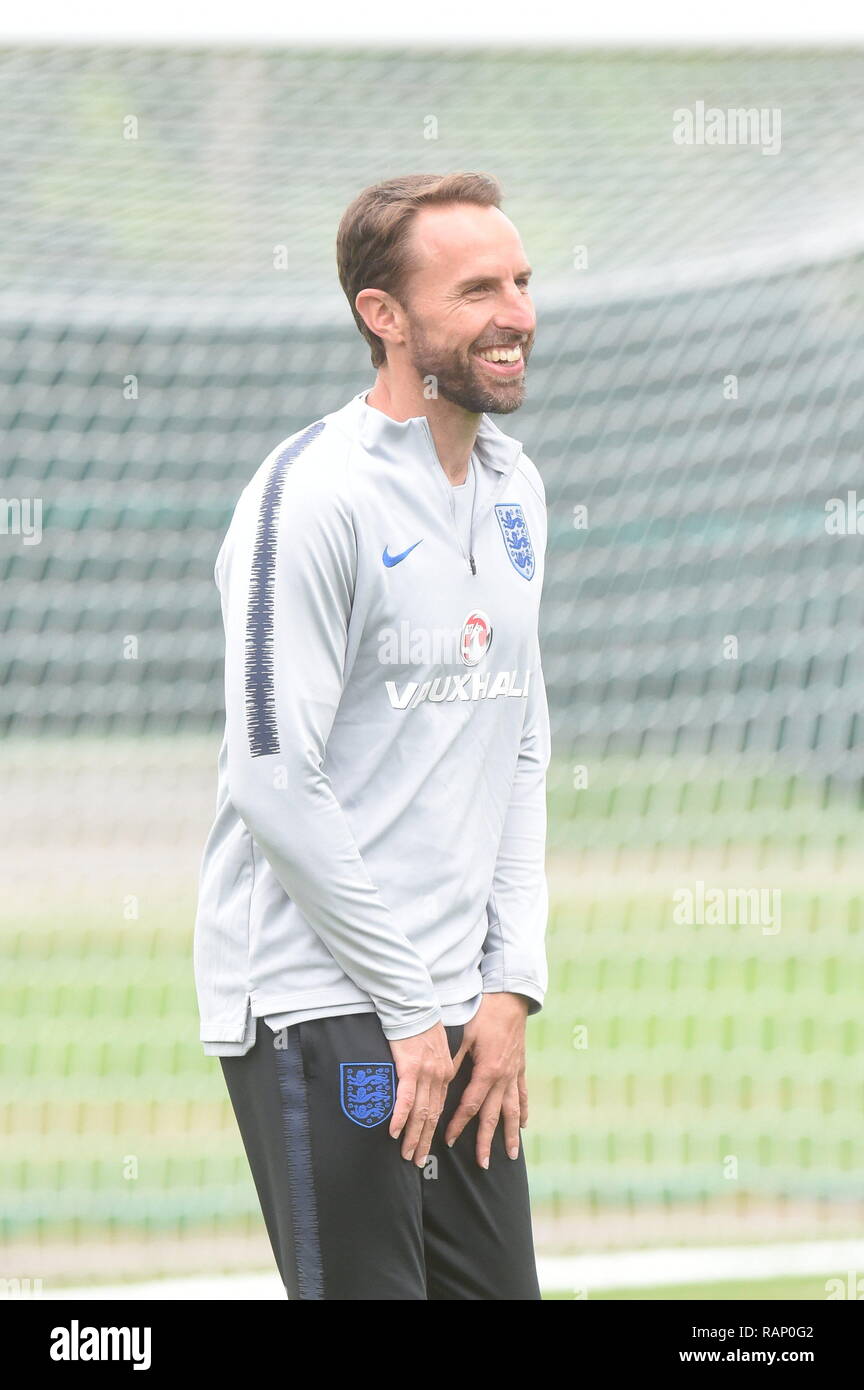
(367,1091)
(514,529)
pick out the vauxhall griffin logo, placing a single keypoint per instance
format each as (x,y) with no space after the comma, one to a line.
(476,637)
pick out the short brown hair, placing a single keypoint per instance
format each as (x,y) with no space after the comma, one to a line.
(371,244)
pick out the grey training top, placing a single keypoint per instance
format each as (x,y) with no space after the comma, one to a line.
(379,834)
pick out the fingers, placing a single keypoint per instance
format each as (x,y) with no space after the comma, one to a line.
(490,1112)
(458,1056)
(489,1095)
(420,1151)
(424,1070)
(523,1099)
(511,1113)
(424,1143)
(473,1097)
(423,1067)
(416,1120)
(492,1101)
(405,1092)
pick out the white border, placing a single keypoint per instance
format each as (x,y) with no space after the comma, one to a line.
(489,23)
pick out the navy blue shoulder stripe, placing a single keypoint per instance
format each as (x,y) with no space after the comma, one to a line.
(260,687)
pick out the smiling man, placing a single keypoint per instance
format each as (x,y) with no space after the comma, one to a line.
(372,908)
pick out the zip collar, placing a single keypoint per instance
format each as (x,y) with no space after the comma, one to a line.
(379,432)
(385,437)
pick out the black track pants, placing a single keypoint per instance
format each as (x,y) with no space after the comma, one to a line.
(348,1217)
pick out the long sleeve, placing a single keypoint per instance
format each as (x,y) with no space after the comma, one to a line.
(287,582)
(514,956)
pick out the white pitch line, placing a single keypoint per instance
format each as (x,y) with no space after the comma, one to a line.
(619,1269)
(642,1269)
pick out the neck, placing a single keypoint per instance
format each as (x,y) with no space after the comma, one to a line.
(454,430)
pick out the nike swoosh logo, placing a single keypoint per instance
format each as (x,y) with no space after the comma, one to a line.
(391,560)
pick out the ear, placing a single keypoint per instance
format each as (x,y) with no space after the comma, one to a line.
(382,314)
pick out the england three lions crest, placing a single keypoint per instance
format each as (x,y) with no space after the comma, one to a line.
(367,1091)
(514,529)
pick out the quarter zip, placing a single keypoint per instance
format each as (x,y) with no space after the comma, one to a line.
(475,519)
(470,556)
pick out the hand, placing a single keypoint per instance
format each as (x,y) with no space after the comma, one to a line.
(424,1068)
(495,1037)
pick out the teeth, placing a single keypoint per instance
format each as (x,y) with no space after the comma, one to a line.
(513,354)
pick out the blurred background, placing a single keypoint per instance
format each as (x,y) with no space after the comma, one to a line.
(169,312)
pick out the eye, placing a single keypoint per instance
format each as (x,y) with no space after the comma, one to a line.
(477,289)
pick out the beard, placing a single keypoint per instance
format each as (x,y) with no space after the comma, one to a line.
(460,378)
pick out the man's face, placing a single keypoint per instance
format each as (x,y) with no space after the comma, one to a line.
(467,296)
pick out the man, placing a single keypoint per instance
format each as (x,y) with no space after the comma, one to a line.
(372,910)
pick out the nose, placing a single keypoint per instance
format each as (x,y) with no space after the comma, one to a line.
(516,314)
